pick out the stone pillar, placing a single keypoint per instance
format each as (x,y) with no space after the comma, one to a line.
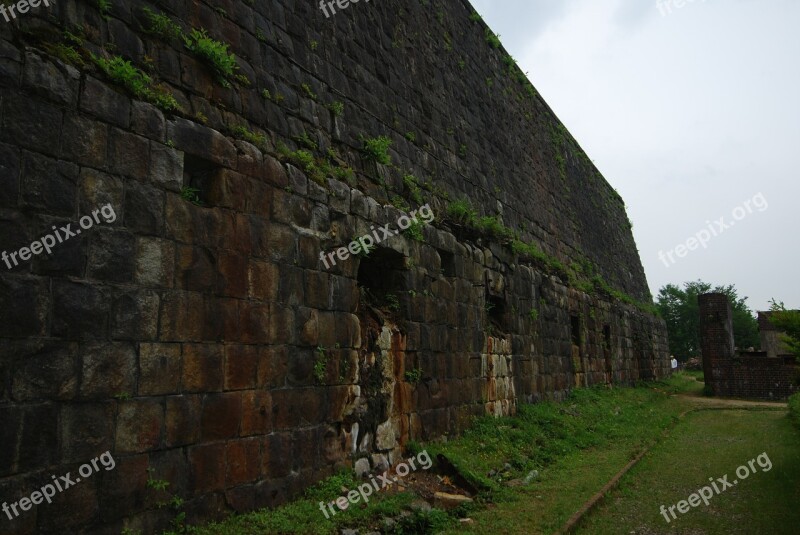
(716,339)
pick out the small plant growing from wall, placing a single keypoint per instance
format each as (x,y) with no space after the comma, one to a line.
(139,84)
(320,364)
(214,53)
(414,376)
(161,25)
(377,149)
(190,194)
(104,6)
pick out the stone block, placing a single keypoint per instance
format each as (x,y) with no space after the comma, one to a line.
(232,276)
(31,123)
(256,412)
(148,121)
(273,365)
(140,425)
(221,416)
(262,280)
(202,368)
(241,367)
(243,461)
(277,456)
(166,166)
(101,101)
(107,370)
(207,466)
(42,369)
(183,419)
(85,141)
(182,316)
(154,262)
(159,369)
(86,431)
(134,316)
(124,488)
(80,310)
(199,140)
(144,208)
(97,189)
(48,185)
(111,255)
(9,175)
(129,154)
(28,320)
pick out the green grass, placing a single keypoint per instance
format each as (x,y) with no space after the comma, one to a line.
(711,444)
(161,25)
(794,408)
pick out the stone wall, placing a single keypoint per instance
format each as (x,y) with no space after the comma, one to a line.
(741,374)
(205,343)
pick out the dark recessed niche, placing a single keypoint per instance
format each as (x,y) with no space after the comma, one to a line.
(448,263)
(382,279)
(200,174)
(575,324)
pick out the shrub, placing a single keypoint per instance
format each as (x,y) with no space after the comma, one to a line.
(461,211)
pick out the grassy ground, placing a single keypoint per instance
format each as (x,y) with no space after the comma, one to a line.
(712,444)
(575,447)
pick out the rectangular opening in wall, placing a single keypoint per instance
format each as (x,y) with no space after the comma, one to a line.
(381,279)
(198,178)
(448,263)
(496,313)
(575,324)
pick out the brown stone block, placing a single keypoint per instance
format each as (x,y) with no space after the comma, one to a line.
(295,407)
(277,455)
(129,154)
(195,268)
(308,320)
(327,329)
(207,467)
(229,189)
(309,250)
(263,279)
(72,509)
(243,461)
(86,430)
(159,369)
(221,416)
(273,364)
(274,173)
(221,319)
(41,369)
(183,419)
(281,324)
(260,200)
(306,447)
(317,289)
(139,426)
(255,322)
(341,399)
(241,366)
(181,316)
(232,276)
(124,489)
(108,370)
(202,368)
(348,330)
(256,412)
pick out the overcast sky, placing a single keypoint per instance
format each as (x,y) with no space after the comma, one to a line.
(688,115)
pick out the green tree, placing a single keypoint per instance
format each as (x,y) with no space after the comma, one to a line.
(680,309)
(787,321)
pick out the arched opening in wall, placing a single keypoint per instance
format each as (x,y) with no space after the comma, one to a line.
(199,179)
(381,280)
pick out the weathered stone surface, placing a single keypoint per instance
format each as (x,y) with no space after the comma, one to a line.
(107,370)
(199,140)
(159,369)
(103,102)
(140,426)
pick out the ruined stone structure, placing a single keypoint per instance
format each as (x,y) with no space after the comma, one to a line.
(767,374)
(199,337)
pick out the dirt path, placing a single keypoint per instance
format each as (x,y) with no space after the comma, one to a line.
(733,403)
